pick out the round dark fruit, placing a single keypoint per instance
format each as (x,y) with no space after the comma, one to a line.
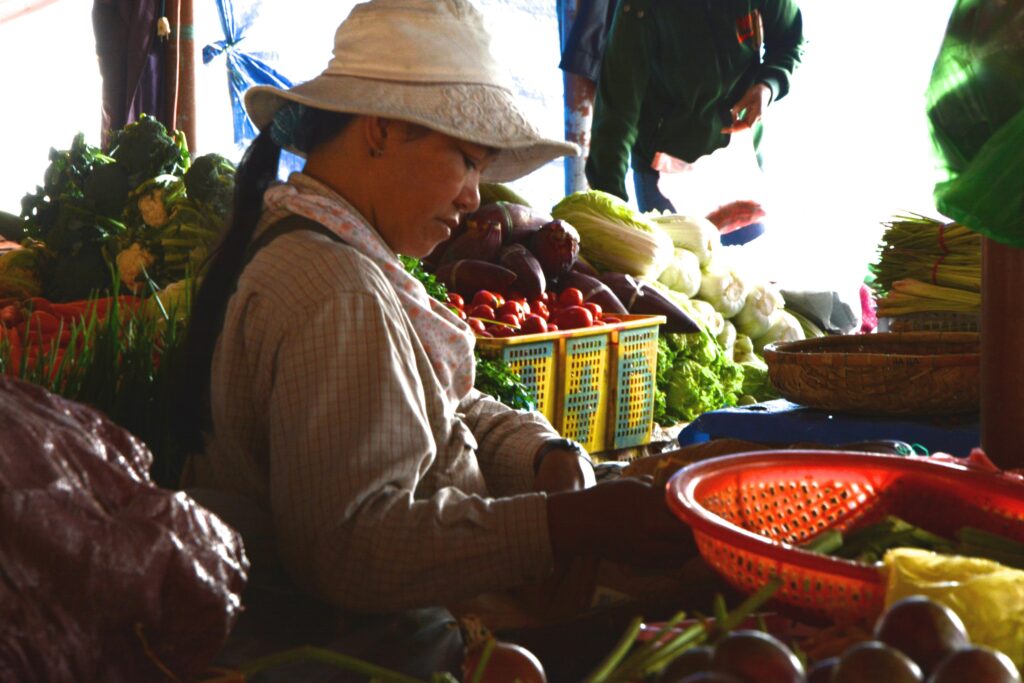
(923,629)
(757,656)
(712,677)
(873,662)
(821,671)
(977,664)
(691,661)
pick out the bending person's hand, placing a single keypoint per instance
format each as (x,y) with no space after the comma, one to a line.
(750,108)
(623,520)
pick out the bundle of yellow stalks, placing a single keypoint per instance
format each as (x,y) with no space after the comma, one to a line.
(926,266)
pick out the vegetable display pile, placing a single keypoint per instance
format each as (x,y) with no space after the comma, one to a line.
(511,269)
(927,266)
(145,210)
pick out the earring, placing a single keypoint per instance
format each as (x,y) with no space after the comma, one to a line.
(376,153)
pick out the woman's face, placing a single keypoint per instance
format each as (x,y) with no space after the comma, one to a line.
(431,179)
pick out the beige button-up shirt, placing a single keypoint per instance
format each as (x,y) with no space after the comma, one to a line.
(326,412)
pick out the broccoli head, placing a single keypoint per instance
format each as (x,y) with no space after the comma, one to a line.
(211,180)
(145,150)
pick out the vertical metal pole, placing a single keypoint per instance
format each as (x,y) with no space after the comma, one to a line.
(579,95)
(1002,360)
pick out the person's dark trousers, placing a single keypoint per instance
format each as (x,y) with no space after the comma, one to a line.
(648,196)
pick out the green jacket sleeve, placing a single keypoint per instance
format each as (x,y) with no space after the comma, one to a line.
(625,71)
(783,42)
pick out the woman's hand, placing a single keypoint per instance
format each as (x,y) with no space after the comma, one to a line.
(563,469)
(750,108)
(623,520)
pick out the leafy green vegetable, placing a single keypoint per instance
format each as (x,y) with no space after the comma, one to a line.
(435,288)
(210,181)
(695,376)
(145,149)
(496,378)
(613,237)
(66,221)
(756,383)
(682,273)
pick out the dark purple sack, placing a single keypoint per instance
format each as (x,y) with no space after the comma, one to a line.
(103,575)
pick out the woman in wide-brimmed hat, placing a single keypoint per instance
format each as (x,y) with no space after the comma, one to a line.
(333,392)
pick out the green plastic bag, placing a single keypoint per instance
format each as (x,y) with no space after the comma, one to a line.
(975,103)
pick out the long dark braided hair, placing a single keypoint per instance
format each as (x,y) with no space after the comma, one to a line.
(257,170)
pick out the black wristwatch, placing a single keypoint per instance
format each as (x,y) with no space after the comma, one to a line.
(560,445)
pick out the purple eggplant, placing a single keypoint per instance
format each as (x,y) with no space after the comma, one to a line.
(469,276)
(530,278)
(556,246)
(517,221)
(480,241)
(594,290)
(642,299)
(583,266)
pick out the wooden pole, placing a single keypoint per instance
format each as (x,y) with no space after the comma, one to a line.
(180,70)
(1002,355)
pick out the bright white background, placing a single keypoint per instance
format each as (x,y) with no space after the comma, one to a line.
(845,150)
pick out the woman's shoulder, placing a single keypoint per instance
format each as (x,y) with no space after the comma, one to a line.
(313,267)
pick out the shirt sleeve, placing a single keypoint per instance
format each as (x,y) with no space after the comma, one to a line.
(625,72)
(350,444)
(783,46)
(508,440)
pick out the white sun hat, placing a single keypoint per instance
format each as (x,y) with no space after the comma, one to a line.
(428,62)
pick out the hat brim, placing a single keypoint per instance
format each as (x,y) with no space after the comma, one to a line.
(484,114)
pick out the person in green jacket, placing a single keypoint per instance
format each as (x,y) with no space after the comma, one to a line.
(680,77)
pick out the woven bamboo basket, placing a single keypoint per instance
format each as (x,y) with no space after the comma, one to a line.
(908,373)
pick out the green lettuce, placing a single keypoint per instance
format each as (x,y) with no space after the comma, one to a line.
(695,376)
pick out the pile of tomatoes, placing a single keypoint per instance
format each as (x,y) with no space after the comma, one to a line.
(491,314)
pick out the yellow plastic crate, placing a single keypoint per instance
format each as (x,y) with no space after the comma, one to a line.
(595,385)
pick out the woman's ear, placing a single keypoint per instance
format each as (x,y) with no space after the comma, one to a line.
(376,130)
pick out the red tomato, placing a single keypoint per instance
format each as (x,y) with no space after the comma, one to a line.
(594,308)
(457,311)
(570,296)
(508,662)
(509,319)
(501,298)
(572,317)
(502,331)
(482,311)
(548,296)
(476,325)
(540,308)
(485,298)
(511,308)
(610,319)
(456,300)
(552,327)
(534,324)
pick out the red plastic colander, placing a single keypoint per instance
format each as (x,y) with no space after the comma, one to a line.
(748,511)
